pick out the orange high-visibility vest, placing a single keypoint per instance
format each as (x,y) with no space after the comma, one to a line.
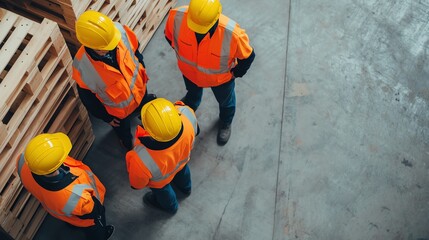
(157,168)
(121,91)
(73,200)
(208,63)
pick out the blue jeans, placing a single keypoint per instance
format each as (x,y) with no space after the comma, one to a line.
(224,93)
(166,197)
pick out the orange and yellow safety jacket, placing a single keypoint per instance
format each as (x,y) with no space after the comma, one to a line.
(208,63)
(70,201)
(157,168)
(120,90)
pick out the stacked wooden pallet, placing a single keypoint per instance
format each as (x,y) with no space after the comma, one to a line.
(37,95)
(143,16)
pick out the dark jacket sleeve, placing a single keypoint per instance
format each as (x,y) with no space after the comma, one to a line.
(93,105)
(243,65)
(139,55)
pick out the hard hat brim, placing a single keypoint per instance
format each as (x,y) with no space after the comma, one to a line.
(202,29)
(198,28)
(114,42)
(66,144)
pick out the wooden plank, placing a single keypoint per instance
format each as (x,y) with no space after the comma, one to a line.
(146,28)
(29,105)
(65,112)
(7,51)
(13,79)
(8,20)
(9,222)
(31,228)
(35,113)
(25,217)
(8,182)
(24,197)
(11,193)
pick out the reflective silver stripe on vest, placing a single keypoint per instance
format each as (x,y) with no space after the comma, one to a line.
(20,164)
(93,183)
(149,162)
(225,49)
(74,198)
(127,43)
(176,29)
(187,112)
(94,81)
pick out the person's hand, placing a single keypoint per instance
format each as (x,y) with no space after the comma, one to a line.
(115,122)
(232,72)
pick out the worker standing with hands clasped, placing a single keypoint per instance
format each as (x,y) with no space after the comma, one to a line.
(67,188)
(110,72)
(162,150)
(212,50)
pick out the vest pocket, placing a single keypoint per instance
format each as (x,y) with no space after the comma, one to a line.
(186,50)
(219,62)
(118,92)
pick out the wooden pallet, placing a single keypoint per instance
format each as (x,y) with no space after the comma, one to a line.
(16,199)
(75,122)
(28,73)
(142,16)
(156,12)
(35,83)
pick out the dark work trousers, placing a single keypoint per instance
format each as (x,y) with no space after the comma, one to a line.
(166,197)
(224,93)
(124,129)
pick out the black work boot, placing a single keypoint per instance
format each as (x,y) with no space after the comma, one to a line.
(223,134)
(110,229)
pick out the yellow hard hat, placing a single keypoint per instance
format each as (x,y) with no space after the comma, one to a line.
(203,14)
(97,31)
(46,152)
(161,119)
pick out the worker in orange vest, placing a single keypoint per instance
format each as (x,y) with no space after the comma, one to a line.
(66,188)
(212,50)
(161,152)
(110,72)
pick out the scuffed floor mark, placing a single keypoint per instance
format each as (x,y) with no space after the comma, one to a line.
(407,163)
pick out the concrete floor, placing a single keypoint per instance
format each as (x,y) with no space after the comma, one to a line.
(330,139)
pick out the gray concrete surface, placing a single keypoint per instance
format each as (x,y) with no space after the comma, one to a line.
(330,139)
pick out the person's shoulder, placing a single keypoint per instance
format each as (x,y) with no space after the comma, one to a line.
(227,22)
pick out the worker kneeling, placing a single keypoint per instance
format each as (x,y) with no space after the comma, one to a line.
(162,149)
(67,188)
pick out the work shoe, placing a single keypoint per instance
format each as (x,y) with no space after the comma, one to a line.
(110,229)
(186,193)
(223,134)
